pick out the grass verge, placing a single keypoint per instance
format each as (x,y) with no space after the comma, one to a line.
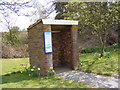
(12,78)
(107,65)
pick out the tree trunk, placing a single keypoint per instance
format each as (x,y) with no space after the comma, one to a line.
(103,42)
(11,37)
(102,50)
(102,38)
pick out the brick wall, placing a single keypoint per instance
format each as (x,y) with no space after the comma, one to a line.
(36,47)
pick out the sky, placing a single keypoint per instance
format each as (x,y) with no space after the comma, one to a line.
(24,22)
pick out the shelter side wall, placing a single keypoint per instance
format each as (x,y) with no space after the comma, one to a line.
(75,52)
(47,62)
(36,48)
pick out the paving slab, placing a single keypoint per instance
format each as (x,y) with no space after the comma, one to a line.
(89,78)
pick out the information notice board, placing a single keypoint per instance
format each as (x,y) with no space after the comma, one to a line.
(47,41)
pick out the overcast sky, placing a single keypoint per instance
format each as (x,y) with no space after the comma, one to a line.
(23,22)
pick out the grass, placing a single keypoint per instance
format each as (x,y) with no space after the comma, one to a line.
(11,78)
(107,65)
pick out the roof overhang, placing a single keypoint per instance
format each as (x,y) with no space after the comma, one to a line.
(59,22)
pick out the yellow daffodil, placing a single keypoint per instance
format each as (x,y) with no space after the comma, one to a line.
(59,77)
(99,58)
(70,81)
(51,67)
(38,68)
(53,71)
(26,67)
(33,66)
(32,69)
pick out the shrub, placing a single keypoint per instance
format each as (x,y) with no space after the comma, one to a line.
(8,51)
(114,47)
(90,50)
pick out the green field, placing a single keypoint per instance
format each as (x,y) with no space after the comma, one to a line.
(13,79)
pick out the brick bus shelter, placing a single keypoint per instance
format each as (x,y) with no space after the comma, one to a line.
(53,43)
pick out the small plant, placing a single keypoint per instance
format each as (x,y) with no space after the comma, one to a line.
(96,56)
(30,70)
(51,72)
(107,55)
(23,67)
(34,71)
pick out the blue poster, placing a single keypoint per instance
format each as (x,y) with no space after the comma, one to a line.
(48,41)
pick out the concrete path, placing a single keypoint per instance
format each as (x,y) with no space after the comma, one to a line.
(88,78)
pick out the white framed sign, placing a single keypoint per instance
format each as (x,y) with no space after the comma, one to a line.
(47,41)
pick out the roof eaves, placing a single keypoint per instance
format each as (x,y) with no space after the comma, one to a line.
(38,21)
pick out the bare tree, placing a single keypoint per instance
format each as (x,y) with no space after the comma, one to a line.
(9,9)
(14,5)
(31,8)
(42,11)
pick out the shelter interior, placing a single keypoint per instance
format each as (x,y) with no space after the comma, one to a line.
(62,45)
